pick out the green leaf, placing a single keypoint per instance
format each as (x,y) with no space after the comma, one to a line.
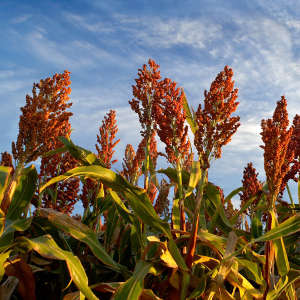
(281,258)
(148,294)
(189,116)
(136,197)
(234,219)
(82,233)
(86,157)
(176,214)
(253,268)
(112,223)
(3,258)
(165,254)
(56,151)
(121,207)
(194,178)
(232,194)
(185,281)
(289,226)
(4,176)
(47,247)
(247,290)
(256,225)
(24,192)
(177,255)
(213,195)
(213,241)
(7,237)
(283,284)
(199,290)
(133,287)
(172,174)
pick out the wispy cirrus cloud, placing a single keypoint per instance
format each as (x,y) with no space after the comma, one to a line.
(75,54)
(85,23)
(21,19)
(169,33)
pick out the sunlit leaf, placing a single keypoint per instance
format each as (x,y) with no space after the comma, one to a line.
(133,287)
(213,194)
(4,176)
(7,237)
(3,258)
(24,192)
(47,247)
(137,198)
(281,258)
(189,115)
(172,174)
(253,269)
(82,233)
(289,226)
(195,176)
(283,284)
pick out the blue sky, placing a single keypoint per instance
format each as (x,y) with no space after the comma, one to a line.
(103,43)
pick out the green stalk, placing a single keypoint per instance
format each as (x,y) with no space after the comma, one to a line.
(299,185)
(147,164)
(290,196)
(298,191)
(180,193)
(200,207)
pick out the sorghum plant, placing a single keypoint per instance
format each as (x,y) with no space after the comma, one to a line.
(208,249)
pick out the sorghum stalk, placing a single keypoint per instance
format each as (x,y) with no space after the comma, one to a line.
(180,195)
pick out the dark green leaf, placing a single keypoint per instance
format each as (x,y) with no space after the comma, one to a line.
(23,194)
(133,287)
(47,247)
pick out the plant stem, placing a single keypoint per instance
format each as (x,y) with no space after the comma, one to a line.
(290,196)
(199,209)
(180,193)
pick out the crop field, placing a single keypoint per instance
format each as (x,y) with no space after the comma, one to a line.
(147,232)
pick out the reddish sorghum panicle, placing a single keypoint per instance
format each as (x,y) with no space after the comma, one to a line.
(152,191)
(162,202)
(105,145)
(170,117)
(44,118)
(6,160)
(276,137)
(296,135)
(293,148)
(89,192)
(140,153)
(144,93)
(132,162)
(251,187)
(106,139)
(153,149)
(67,190)
(188,161)
(215,127)
(131,168)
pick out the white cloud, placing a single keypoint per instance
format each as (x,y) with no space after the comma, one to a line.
(21,19)
(46,49)
(191,33)
(8,86)
(82,22)
(173,32)
(153,30)
(70,54)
